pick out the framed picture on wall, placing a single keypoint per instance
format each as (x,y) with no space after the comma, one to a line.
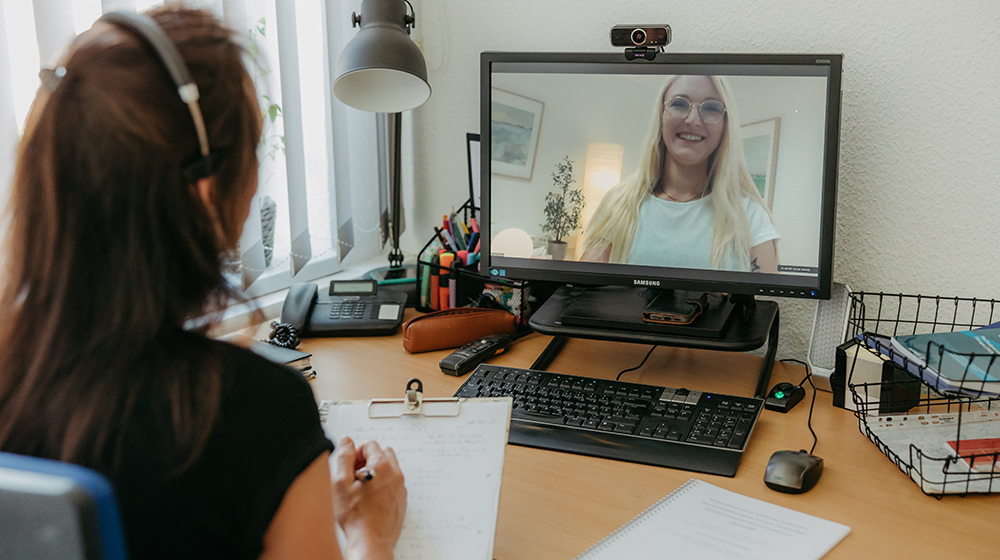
(760,148)
(514,125)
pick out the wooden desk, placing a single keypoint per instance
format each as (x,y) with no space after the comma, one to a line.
(555,505)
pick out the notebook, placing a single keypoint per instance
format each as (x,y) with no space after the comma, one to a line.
(705,522)
(452,459)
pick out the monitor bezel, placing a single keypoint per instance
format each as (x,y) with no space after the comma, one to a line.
(764,285)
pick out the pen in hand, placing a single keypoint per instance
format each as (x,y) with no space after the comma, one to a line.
(364,475)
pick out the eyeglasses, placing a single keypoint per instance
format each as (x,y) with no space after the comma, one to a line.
(710,111)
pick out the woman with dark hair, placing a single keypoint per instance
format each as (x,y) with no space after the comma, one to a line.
(123,208)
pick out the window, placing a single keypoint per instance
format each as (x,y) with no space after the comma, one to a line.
(314,153)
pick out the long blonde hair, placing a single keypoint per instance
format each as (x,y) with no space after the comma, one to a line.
(616,219)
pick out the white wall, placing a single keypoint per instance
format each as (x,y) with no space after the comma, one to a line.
(919,161)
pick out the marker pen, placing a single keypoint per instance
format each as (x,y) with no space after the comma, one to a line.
(435,292)
(451,241)
(443,283)
(453,284)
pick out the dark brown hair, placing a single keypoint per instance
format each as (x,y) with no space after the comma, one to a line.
(110,249)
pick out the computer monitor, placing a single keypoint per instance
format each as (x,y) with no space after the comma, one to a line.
(763,129)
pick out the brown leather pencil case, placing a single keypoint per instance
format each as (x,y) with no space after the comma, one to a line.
(452,328)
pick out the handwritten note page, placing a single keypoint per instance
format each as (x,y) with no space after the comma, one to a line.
(453,468)
(706,522)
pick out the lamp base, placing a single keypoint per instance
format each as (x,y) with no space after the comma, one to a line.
(401,278)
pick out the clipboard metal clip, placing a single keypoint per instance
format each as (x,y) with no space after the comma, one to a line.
(413,403)
(414,399)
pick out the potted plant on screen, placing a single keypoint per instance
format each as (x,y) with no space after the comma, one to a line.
(563,207)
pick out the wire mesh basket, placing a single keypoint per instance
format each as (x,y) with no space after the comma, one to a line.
(467,286)
(946,438)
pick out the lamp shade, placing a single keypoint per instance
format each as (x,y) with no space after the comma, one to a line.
(381,69)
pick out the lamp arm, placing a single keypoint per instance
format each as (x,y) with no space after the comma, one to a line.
(411,18)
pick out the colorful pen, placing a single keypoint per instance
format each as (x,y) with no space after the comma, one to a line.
(451,240)
(443,284)
(437,232)
(435,292)
(453,284)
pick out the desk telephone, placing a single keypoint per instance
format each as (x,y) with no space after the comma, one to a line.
(350,308)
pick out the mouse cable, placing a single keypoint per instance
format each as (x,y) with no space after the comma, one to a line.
(624,371)
(812,404)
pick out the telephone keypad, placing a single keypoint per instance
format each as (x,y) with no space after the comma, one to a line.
(352,310)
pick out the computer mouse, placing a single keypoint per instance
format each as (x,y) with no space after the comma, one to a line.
(783,397)
(793,472)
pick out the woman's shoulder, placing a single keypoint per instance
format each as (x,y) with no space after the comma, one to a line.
(244,371)
(752,205)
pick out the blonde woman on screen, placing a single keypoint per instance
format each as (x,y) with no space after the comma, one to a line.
(691,203)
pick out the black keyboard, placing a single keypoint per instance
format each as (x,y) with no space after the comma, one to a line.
(677,428)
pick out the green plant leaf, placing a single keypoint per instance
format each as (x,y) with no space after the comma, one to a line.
(564,206)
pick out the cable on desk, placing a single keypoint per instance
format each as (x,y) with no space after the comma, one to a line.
(812,404)
(624,371)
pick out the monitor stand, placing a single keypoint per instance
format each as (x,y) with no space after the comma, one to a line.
(746,324)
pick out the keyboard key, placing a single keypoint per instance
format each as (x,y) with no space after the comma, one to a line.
(607,426)
(697,438)
(737,441)
(527,415)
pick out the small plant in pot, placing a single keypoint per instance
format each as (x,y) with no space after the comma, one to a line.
(563,208)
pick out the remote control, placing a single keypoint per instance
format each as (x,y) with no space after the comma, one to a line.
(466,358)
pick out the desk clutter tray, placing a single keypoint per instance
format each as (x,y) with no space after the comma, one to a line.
(945,438)
(460,284)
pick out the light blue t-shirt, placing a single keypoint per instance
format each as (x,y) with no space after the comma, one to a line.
(679,234)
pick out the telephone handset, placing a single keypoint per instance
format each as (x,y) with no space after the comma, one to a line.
(349,308)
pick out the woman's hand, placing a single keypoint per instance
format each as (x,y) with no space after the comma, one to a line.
(370,512)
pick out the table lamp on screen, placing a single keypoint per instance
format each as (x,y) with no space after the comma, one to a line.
(383,71)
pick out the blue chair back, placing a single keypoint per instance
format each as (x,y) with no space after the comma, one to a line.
(50,509)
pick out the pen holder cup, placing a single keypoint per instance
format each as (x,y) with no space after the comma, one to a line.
(469,289)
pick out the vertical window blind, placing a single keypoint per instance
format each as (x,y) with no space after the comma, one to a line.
(318,172)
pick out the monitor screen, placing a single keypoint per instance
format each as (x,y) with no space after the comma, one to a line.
(712,172)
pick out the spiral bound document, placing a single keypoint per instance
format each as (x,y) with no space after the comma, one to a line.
(705,522)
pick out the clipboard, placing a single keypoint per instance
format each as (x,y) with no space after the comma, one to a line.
(451,451)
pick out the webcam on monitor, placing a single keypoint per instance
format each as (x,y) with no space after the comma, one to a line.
(640,41)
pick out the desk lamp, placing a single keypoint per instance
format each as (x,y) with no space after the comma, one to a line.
(382,70)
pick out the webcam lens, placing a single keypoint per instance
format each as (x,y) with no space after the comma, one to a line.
(638,36)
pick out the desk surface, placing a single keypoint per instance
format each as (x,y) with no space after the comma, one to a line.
(554,505)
